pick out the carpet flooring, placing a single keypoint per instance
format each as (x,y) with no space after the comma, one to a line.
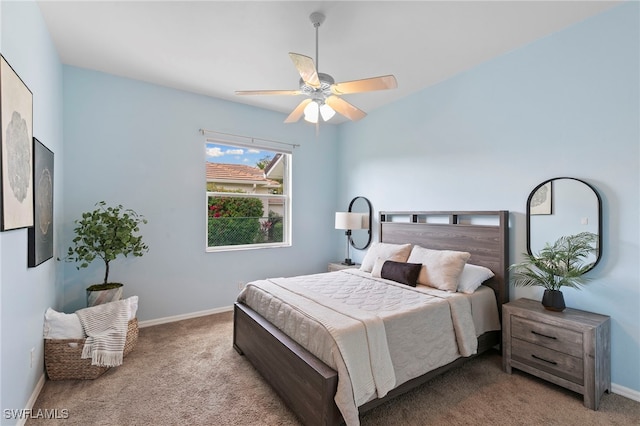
(187,373)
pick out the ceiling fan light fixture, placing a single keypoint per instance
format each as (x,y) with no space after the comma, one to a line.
(311,112)
(322,92)
(326,112)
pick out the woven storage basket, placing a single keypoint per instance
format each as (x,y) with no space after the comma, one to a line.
(62,356)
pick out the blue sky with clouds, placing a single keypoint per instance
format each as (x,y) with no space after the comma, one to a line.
(218,153)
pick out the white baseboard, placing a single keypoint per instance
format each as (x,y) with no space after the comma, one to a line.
(32,399)
(626,392)
(175,318)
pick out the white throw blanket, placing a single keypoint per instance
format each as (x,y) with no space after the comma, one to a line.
(106,329)
(363,342)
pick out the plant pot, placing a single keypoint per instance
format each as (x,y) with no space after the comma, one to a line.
(553,300)
(98,296)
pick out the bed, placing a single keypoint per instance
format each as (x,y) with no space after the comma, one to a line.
(308,385)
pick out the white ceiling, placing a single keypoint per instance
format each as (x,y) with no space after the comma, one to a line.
(217,47)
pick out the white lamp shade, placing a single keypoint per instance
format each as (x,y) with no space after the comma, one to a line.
(365,221)
(311,112)
(326,112)
(348,220)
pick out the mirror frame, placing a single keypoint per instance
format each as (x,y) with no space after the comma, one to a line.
(370,222)
(599,242)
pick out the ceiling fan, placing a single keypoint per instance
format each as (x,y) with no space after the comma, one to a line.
(322,92)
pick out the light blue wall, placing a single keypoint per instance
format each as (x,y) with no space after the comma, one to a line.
(566,105)
(26,293)
(138,144)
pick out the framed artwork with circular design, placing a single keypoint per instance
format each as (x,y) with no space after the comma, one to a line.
(16,126)
(41,234)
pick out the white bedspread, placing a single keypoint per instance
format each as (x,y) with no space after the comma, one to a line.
(359,334)
(377,334)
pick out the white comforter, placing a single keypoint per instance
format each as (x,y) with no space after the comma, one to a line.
(375,333)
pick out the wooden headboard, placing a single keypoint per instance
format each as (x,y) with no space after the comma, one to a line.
(484,234)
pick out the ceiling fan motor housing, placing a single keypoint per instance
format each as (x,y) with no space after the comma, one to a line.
(321,92)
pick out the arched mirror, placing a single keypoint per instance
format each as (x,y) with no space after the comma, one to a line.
(361,238)
(563,206)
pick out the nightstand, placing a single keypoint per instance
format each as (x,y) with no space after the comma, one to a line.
(571,348)
(337,266)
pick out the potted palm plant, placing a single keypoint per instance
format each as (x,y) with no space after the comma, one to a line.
(106,233)
(562,264)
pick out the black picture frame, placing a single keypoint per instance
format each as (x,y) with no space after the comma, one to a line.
(40,236)
(16,159)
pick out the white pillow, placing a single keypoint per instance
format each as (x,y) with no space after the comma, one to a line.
(58,325)
(472,277)
(440,268)
(385,251)
(133,306)
(376,271)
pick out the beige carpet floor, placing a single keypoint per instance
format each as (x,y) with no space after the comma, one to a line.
(187,373)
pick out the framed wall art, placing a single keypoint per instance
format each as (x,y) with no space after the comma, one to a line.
(41,234)
(16,174)
(541,200)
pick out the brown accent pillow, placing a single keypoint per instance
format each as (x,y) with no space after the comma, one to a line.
(403,273)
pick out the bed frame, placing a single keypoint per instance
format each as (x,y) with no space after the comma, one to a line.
(306,384)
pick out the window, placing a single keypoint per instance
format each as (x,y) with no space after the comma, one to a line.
(248,197)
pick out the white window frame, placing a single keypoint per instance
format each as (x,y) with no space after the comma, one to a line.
(285,196)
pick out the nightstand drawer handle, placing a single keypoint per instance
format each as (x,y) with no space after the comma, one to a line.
(544,335)
(545,360)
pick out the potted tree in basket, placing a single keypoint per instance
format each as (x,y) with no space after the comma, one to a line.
(106,233)
(561,264)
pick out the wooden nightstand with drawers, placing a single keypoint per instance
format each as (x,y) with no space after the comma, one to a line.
(571,348)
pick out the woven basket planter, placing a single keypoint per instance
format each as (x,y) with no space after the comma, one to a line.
(62,356)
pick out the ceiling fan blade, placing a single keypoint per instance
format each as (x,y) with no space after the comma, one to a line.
(306,68)
(297,113)
(365,85)
(345,108)
(268,92)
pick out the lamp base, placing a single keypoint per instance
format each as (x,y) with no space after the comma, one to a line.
(348,262)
